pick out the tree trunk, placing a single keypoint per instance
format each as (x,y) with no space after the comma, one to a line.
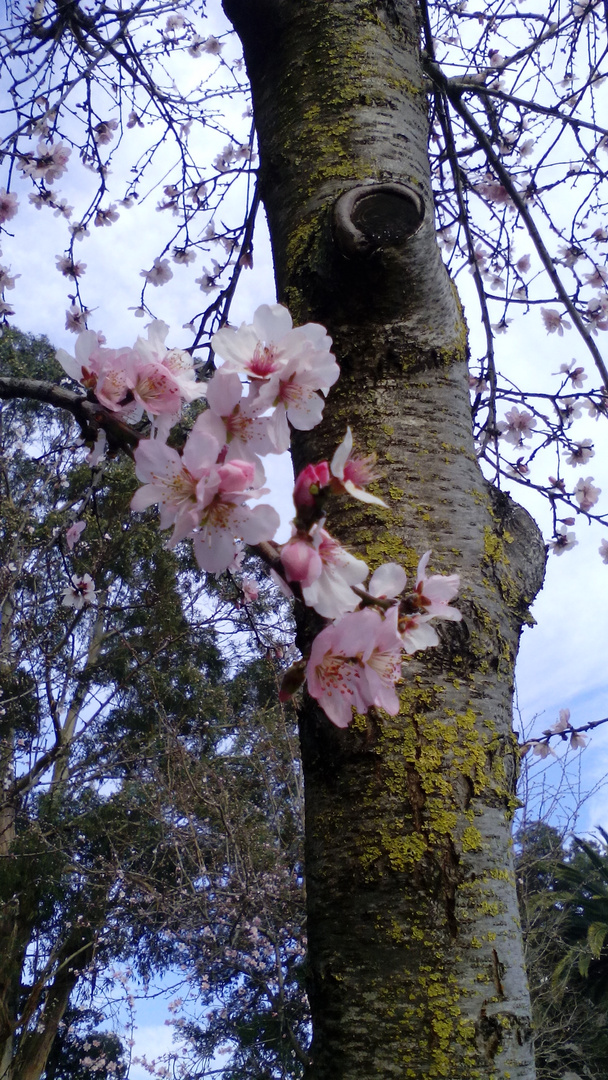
(416,965)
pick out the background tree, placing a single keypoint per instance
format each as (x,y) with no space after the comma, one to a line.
(558,890)
(412,929)
(141,780)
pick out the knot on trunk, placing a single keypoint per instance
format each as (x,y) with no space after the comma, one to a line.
(375,216)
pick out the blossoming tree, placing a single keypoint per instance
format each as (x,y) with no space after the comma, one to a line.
(415,956)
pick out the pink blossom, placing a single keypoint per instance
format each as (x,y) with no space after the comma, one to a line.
(295,394)
(49,163)
(355,664)
(265,347)
(569,256)
(202,498)
(9,204)
(181,484)
(543,750)
(69,268)
(516,426)
(388,581)
(310,483)
(104,131)
(564,541)
(73,533)
(597,278)
(106,217)
(433,594)
(416,633)
(208,279)
(160,273)
(586,494)
(7,281)
(226,519)
(576,374)
(603,550)
(104,371)
(523,264)
(563,722)
(76,319)
(578,741)
(301,560)
(81,591)
(580,452)
(478,385)
(249,589)
(554,321)
(330,594)
(235,422)
(153,387)
(178,362)
(494,192)
(183,256)
(212,45)
(353,472)
(597,313)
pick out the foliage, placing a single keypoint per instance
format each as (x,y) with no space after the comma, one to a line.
(103,707)
(558,892)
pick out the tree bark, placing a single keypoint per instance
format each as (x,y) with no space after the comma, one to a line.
(416,963)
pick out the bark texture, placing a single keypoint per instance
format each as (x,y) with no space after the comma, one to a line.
(416,965)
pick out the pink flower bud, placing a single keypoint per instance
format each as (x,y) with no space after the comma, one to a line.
(301,562)
(309,483)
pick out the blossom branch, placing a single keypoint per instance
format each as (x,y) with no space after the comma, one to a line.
(90,415)
(504,176)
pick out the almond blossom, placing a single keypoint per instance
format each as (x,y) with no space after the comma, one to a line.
(104,371)
(201,498)
(69,268)
(353,472)
(265,347)
(162,378)
(603,550)
(7,280)
(73,533)
(106,217)
(235,422)
(516,426)
(433,594)
(294,393)
(564,541)
(580,452)
(50,161)
(415,633)
(226,519)
(180,484)
(103,132)
(79,592)
(575,373)
(586,494)
(330,594)
(354,664)
(9,204)
(301,561)
(160,273)
(554,321)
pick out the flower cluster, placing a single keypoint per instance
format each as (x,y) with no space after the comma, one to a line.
(270,376)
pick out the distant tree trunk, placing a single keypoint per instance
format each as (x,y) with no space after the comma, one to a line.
(414,937)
